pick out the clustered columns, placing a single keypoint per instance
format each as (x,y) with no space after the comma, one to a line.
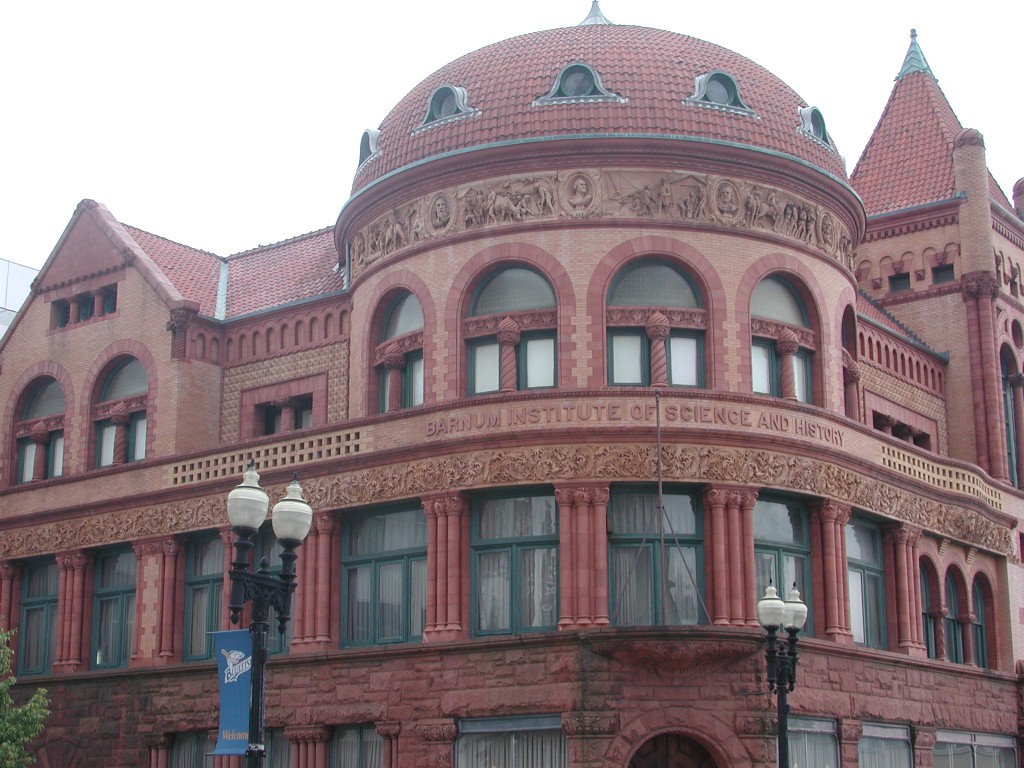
(508,337)
(312,621)
(657,331)
(72,649)
(164,558)
(733,581)
(901,553)
(830,520)
(1017,383)
(9,573)
(787,345)
(447,566)
(309,746)
(582,523)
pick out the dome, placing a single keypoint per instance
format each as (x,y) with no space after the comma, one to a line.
(649,82)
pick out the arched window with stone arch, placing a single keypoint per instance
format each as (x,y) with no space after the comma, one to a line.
(510,332)
(656,323)
(119,413)
(951,627)
(982,634)
(39,431)
(398,357)
(782,341)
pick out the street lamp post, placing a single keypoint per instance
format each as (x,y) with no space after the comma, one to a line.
(775,615)
(292,516)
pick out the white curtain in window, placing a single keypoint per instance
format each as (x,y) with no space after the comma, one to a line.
(540,363)
(387,532)
(106,447)
(801,375)
(539,588)
(857,624)
(813,749)
(138,438)
(198,626)
(359,613)
(389,600)
(946,755)
(26,460)
(682,352)
(884,753)
(633,579)
(57,453)
(520,749)
(517,517)
(681,604)
(418,597)
(486,368)
(416,381)
(626,359)
(761,369)
(494,585)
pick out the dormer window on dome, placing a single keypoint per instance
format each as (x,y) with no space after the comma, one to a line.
(368,145)
(718,90)
(576,84)
(812,124)
(448,103)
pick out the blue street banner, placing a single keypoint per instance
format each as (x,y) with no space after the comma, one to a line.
(234,672)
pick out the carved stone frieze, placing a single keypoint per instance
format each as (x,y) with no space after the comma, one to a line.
(757,726)
(119,407)
(577,724)
(435,731)
(675,196)
(773,329)
(527,321)
(400,345)
(583,463)
(640,316)
(41,426)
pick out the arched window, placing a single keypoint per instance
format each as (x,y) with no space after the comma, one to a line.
(399,356)
(951,622)
(655,326)
(510,332)
(929,610)
(120,414)
(782,342)
(979,624)
(1008,368)
(39,432)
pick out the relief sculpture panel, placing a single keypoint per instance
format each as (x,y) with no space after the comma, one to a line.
(672,197)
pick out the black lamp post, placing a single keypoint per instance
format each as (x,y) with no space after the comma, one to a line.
(775,615)
(247,509)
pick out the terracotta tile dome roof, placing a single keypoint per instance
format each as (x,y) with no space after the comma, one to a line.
(653,71)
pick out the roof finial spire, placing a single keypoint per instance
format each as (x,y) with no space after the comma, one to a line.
(914,60)
(595,16)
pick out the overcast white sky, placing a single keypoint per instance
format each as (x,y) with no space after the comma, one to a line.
(225,125)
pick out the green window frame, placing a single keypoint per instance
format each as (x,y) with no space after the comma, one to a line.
(866,582)
(928,624)
(535,353)
(37,625)
(782,551)
(950,624)
(648,585)
(279,748)
(204,590)
(532,741)
(514,557)
(113,615)
(484,357)
(384,576)
(357,746)
(979,626)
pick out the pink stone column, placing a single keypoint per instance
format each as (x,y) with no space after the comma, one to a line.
(787,345)
(325,584)
(581,499)
(41,440)
(394,364)
(227,537)
(851,390)
(827,515)
(65,597)
(600,528)
(430,513)
(843,513)
(456,509)
(747,501)
(736,613)
(508,337)
(307,589)
(169,549)
(715,499)
(914,571)
(389,733)
(657,331)
(159,750)
(8,572)
(567,572)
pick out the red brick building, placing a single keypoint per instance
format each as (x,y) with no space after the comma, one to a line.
(574,264)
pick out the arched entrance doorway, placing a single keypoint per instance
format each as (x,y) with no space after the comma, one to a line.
(671,750)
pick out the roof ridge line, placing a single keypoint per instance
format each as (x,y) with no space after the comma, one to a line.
(293,239)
